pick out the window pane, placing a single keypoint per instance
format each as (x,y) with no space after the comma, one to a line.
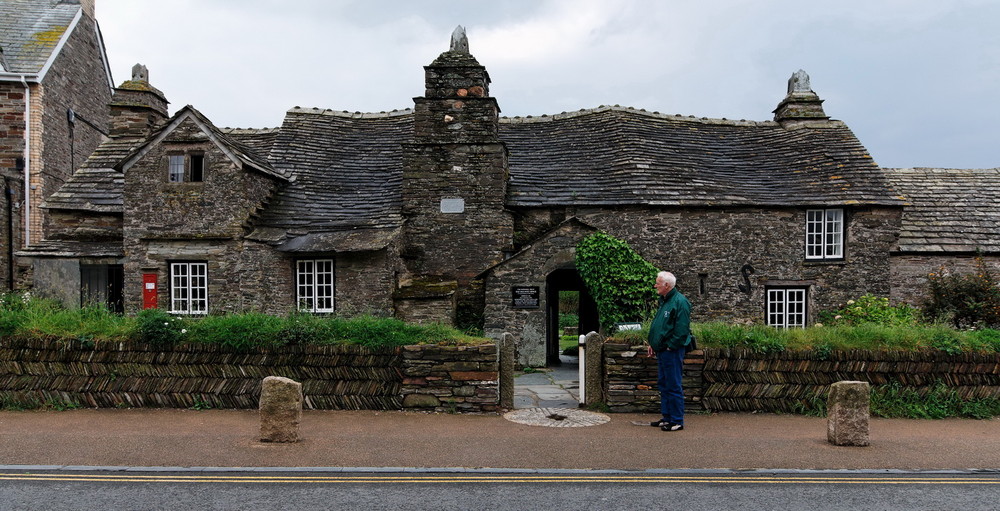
(176,170)
(197,167)
(834,233)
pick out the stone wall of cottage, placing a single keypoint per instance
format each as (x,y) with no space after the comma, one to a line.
(909,272)
(83,225)
(529,268)
(707,248)
(79,81)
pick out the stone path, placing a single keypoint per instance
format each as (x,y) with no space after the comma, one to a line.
(552,387)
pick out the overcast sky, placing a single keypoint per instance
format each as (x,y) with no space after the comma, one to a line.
(917,80)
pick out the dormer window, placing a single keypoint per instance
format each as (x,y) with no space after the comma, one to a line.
(186,168)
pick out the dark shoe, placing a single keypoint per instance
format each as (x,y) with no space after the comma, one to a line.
(660,423)
(670,426)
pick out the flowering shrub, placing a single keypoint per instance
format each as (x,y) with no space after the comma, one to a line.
(155,326)
(964,300)
(871,309)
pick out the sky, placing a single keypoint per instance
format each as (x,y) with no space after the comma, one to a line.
(918,81)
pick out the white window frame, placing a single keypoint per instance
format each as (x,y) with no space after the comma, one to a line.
(786,307)
(189,288)
(824,234)
(315,285)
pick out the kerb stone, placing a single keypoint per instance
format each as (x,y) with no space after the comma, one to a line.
(848,413)
(280,410)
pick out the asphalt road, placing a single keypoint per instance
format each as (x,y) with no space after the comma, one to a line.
(100,491)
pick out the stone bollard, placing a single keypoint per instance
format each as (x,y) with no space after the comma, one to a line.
(280,410)
(847,413)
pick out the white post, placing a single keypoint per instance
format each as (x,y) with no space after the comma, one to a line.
(583,369)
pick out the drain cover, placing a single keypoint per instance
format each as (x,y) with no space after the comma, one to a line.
(556,417)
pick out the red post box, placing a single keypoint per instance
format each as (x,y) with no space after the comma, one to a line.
(148,290)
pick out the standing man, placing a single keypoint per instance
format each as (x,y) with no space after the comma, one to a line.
(669,336)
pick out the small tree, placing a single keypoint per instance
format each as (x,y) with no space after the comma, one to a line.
(618,278)
(964,300)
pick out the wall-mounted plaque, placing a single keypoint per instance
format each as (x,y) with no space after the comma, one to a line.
(453,205)
(525,297)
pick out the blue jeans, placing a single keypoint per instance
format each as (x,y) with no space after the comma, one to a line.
(670,369)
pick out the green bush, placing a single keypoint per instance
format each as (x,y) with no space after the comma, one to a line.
(618,278)
(870,309)
(964,300)
(156,327)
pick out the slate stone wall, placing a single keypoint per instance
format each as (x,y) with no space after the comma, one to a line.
(347,377)
(82,225)
(454,189)
(76,80)
(909,272)
(451,378)
(630,379)
(531,267)
(741,380)
(706,249)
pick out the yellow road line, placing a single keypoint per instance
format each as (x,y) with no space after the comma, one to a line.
(499,478)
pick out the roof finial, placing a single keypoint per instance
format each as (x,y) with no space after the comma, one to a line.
(799,82)
(140,73)
(459,41)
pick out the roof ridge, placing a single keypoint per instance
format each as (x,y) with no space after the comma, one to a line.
(637,111)
(354,115)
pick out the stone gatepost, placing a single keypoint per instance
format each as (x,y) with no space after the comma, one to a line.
(594,377)
(848,413)
(507,354)
(280,410)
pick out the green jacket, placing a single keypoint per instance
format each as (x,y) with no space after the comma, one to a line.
(671,327)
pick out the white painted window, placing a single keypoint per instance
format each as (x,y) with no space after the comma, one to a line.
(189,288)
(315,285)
(825,234)
(786,307)
(186,168)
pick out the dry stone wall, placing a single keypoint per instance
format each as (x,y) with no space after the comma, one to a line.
(345,377)
(743,380)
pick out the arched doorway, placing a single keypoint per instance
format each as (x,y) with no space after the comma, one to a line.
(565,285)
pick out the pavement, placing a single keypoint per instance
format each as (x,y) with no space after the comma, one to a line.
(160,439)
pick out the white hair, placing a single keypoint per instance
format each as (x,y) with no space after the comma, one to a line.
(668,278)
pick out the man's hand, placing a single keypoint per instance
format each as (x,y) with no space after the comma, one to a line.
(649,351)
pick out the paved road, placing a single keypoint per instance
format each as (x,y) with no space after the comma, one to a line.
(100,491)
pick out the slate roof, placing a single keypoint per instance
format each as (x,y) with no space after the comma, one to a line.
(620,156)
(97,190)
(98,185)
(949,210)
(30,30)
(347,168)
(258,141)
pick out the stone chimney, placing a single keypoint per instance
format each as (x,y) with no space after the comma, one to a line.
(454,178)
(137,107)
(801,106)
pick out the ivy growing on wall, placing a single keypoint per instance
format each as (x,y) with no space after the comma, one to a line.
(618,278)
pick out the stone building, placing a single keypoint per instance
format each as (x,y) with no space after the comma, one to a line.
(55,84)
(448,212)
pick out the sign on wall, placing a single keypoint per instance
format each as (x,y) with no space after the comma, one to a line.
(525,297)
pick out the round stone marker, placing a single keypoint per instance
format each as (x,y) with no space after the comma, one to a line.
(556,417)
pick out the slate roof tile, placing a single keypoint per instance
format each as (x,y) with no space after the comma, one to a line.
(30,30)
(949,210)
